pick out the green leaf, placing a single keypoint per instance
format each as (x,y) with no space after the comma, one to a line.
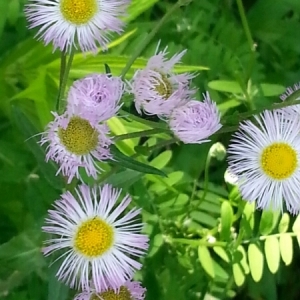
(226,105)
(266,222)
(203,218)
(286,248)
(161,160)
(244,263)
(85,65)
(56,289)
(238,274)
(155,244)
(225,86)
(284,223)
(220,251)
(206,260)
(256,262)
(272,252)
(269,89)
(124,179)
(226,220)
(48,169)
(130,163)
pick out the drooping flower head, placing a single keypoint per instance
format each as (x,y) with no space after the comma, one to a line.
(266,159)
(97,94)
(100,241)
(130,290)
(67,23)
(195,121)
(288,92)
(74,141)
(157,90)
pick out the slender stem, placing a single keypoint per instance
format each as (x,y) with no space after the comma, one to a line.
(264,237)
(149,37)
(143,121)
(291,100)
(139,134)
(196,242)
(245,25)
(64,74)
(63,60)
(206,179)
(162,144)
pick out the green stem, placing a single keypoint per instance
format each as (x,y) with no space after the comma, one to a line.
(196,242)
(149,37)
(245,25)
(64,74)
(264,237)
(206,179)
(151,124)
(139,134)
(162,144)
(251,46)
(291,100)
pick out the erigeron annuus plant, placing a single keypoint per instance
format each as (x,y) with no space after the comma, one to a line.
(99,237)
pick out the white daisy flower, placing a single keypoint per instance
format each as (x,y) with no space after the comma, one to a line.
(266,158)
(99,240)
(67,23)
(157,90)
(75,140)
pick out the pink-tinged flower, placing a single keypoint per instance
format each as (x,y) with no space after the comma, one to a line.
(68,23)
(98,95)
(264,156)
(75,141)
(195,121)
(100,243)
(288,92)
(130,290)
(157,90)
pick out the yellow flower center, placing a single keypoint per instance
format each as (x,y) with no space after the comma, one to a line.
(79,137)
(123,294)
(279,160)
(78,11)
(94,237)
(163,86)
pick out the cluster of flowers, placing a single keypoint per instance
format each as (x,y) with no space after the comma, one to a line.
(98,241)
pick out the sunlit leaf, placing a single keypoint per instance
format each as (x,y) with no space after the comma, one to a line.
(272,253)
(238,274)
(220,251)
(256,261)
(226,220)
(284,223)
(266,222)
(206,260)
(286,248)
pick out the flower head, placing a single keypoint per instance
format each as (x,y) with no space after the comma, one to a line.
(266,161)
(157,91)
(67,23)
(76,140)
(98,238)
(130,290)
(288,92)
(98,95)
(195,121)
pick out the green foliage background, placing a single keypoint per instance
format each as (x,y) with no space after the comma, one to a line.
(204,245)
